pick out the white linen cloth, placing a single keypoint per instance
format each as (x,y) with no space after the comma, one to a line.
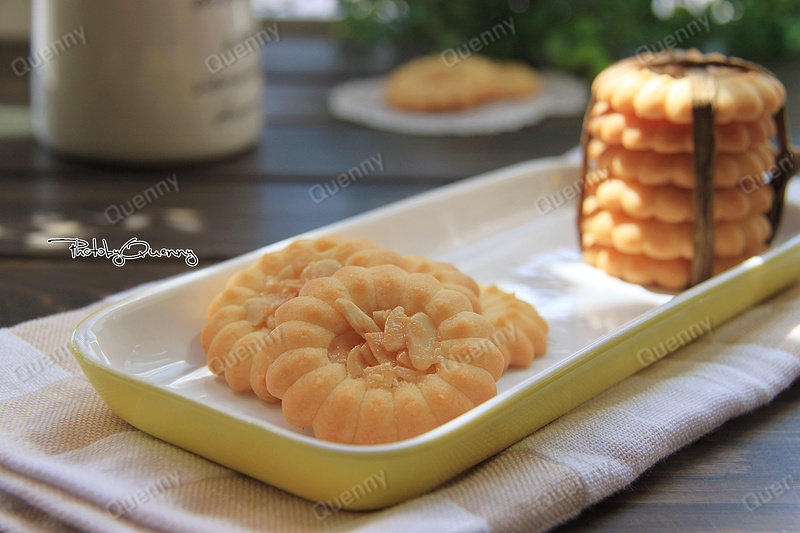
(66,461)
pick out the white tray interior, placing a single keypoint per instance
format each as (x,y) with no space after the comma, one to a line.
(496,228)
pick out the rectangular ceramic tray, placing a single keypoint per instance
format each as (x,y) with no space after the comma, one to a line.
(514,227)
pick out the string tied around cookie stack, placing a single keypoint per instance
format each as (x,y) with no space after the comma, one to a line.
(705,74)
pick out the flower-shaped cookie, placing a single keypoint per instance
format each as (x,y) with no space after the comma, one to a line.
(240,318)
(671,204)
(634,133)
(661,240)
(521,333)
(429,84)
(373,355)
(658,87)
(671,274)
(652,168)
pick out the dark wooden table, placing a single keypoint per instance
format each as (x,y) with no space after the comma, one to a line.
(227,208)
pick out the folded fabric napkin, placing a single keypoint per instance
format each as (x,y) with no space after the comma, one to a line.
(66,461)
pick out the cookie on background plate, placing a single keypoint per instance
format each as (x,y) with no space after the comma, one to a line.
(428,84)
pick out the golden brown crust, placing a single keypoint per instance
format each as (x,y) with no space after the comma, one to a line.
(364,345)
(634,133)
(428,84)
(408,354)
(514,79)
(664,241)
(637,217)
(251,298)
(643,87)
(672,204)
(669,274)
(520,332)
(450,276)
(651,168)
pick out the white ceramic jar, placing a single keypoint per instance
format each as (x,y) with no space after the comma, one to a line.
(146,81)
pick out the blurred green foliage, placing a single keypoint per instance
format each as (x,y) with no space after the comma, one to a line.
(580,36)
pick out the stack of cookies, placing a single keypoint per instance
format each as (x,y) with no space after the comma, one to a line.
(637,217)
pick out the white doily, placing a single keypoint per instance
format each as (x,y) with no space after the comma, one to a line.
(362,101)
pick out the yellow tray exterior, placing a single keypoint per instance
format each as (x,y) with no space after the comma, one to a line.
(332,473)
